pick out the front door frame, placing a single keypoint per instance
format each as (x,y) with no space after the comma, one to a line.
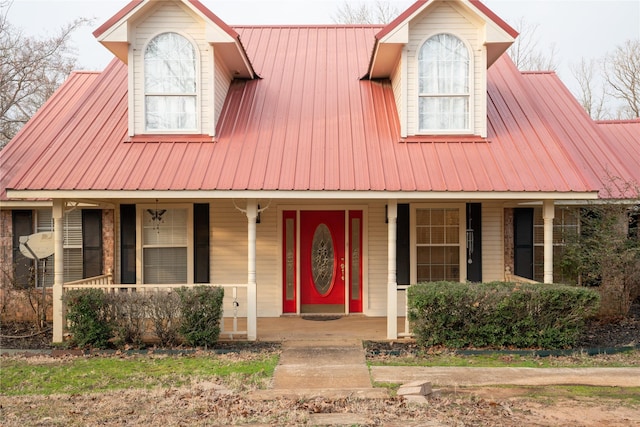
(365,252)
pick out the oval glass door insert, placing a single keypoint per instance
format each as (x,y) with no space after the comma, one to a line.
(322,259)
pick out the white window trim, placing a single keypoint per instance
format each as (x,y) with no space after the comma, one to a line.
(461,241)
(140,209)
(66,245)
(471,93)
(197,93)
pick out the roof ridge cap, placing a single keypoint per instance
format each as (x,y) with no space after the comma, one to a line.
(617,121)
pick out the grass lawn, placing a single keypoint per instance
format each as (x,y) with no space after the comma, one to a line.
(46,376)
(497,360)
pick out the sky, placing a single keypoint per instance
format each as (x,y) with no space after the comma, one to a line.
(578,28)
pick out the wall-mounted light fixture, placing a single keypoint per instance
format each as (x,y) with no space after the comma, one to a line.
(258,216)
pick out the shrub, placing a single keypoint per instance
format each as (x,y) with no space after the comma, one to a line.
(164,311)
(87,315)
(128,316)
(201,308)
(498,314)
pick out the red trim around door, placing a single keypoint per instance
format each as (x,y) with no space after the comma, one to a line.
(289,262)
(355,262)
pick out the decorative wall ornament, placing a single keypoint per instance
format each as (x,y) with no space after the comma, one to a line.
(156,216)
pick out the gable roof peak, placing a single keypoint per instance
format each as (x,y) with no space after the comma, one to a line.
(114,33)
(498,36)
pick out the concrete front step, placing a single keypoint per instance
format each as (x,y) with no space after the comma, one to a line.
(322,365)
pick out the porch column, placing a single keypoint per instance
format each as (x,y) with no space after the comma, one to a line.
(392,281)
(548,213)
(58,270)
(252,297)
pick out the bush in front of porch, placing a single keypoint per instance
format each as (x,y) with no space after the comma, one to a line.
(499,314)
(100,320)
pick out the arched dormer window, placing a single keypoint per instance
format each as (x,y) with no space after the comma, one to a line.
(170,84)
(443,74)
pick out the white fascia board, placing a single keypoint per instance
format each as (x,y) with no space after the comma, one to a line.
(493,32)
(117,34)
(25,204)
(297,195)
(398,36)
(215,34)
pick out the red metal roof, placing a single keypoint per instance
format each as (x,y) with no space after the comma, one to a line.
(311,123)
(599,158)
(624,139)
(34,139)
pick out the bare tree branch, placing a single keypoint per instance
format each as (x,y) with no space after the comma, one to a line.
(622,75)
(526,52)
(31,69)
(590,95)
(379,12)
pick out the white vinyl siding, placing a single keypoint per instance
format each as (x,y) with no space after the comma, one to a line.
(446,19)
(378,241)
(171,17)
(397,85)
(222,82)
(229,248)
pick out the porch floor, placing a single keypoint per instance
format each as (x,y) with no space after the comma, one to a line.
(297,328)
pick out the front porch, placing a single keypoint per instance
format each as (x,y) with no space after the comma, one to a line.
(283,328)
(299,328)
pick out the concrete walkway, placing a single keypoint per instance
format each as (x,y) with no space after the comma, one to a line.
(336,367)
(466,377)
(331,368)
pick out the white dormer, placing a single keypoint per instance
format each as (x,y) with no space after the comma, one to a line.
(437,54)
(181,61)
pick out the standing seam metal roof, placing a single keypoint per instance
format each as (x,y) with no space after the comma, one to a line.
(311,123)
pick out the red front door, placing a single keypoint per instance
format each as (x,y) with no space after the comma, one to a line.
(322,262)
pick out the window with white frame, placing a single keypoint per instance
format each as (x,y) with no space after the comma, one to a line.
(443,84)
(72,243)
(165,245)
(170,84)
(437,244)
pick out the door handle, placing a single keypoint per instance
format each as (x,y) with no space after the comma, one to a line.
(342,268)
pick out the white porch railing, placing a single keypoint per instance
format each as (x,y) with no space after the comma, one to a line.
(234,303)
(97,281)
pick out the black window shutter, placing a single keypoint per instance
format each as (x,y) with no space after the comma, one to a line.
(91,243)
(523,242)
(128,244)
(201,269)
(474,222)
(22,226)
(403,251)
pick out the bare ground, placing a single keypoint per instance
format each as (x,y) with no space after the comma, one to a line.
(202,404)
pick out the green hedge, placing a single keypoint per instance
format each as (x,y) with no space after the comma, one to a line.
(499,314)
(189,315)
(88,317)
(201,313)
